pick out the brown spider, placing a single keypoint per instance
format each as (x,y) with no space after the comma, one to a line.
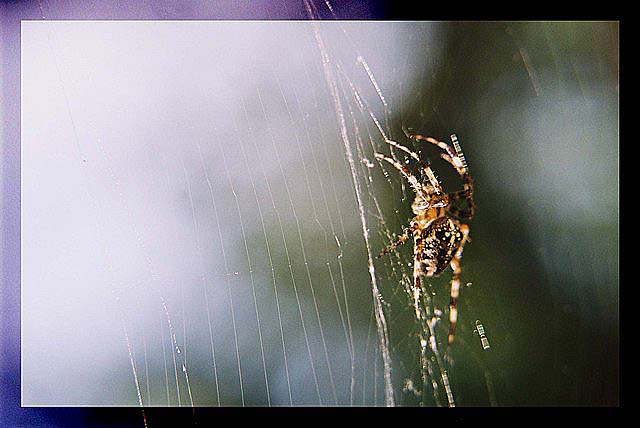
(438,237)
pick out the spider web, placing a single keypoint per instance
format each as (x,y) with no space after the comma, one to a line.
(235,233)
(222,209)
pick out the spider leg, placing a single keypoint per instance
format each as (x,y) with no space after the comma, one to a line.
(425,166)
(419,189)
(401,239)
(460,194)
(459,212)
(455,284)
(399,146)
(454,158)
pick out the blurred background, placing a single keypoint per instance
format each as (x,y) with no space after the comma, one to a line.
(195,205)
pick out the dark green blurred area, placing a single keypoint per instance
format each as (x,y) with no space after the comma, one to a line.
(535,106)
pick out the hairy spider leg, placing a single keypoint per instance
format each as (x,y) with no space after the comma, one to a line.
(425,166)
(457,161)
(441,201)
(459,194)
(460,212)
(455,284)
(401,239)
(417,187)
(399,146)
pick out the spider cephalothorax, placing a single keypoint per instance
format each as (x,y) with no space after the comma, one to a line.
(438,234)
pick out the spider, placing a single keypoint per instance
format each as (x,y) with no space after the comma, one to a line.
(438,234)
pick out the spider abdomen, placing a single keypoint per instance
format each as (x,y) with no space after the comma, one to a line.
(437,245)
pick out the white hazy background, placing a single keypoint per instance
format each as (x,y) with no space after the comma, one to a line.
(171,171)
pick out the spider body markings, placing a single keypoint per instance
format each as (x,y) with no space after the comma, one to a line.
(438,234)
(437,245)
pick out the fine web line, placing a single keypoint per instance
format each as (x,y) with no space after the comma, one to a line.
(304,255)
(271,265)
(164,359)
(227,272)
(432,337)
(326,240)
(362,62)
(98,224)
(203,274)
(174,239)
(348,329)
(293,281)
(430,343)
(346,326)
(149,264)
(246,248)
(369,366)
(379,312)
